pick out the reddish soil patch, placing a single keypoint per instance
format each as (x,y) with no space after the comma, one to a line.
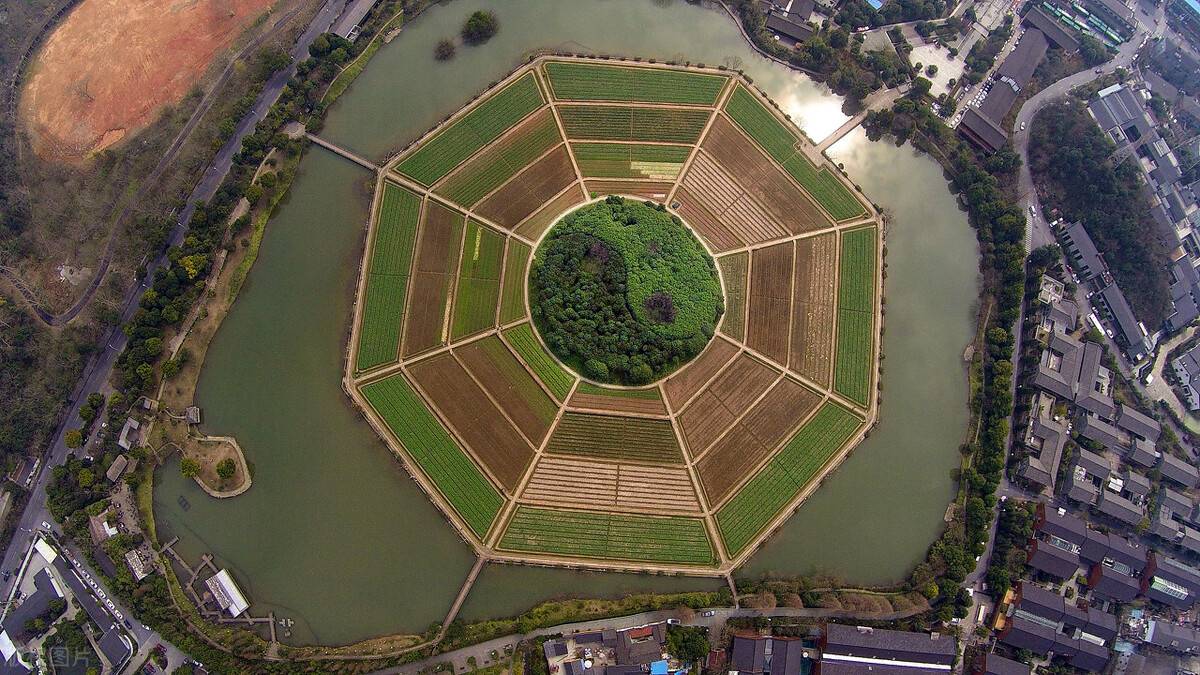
(716,408)
(474,417)
(529,190)
(683,386)
(812,307)
(656,190)
(770,300)
(763,180)
(110,68)
(756,435)
(438,247)
(543,218)
(510,385)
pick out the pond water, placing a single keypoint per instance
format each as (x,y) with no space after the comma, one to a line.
(336,536)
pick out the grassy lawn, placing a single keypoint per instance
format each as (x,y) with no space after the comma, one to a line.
(387,277)
(609,535)
(602,82)
(440,458)
(478,281)
(483,124)
(759,501)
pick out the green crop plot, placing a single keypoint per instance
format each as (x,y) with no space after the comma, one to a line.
(856,316)
(609,535)
(387,277)
(733,269)
(512,295)
(749,512)
(602,82)
(478,281)
(624,160)
(627,123)
(617,438)
(501,161)
(438,455)
(531,351)
(499,113)
(779,142)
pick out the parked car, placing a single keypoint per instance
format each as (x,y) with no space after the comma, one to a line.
(673,622)
(710,612)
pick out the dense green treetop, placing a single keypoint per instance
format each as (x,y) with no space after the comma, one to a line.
(624,292)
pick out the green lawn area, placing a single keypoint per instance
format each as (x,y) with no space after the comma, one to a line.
(387,277)
(625,160)
(435,451)
(512,296)
(744,516)
(853,364)
(609,535)
(603,82)
(733,269)
(531,351)
(501,161)
(628,123)
(780,142)
(500,112)
(616,438)
(478,281)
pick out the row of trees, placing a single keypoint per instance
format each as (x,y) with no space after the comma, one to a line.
(980,183)
(1070,159)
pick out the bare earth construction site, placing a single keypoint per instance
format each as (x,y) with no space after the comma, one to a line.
(531,462)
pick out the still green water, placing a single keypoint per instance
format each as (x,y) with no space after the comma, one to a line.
(336,536)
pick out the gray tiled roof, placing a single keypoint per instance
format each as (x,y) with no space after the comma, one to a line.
(998,665)
(1048,558)
(1096,429)
(1062,525)
(1128,331)
(1114,505)
(1142,453)
(889,644)
(1177,572)
(1083,252)
(1174,500)
(1178,470)
(1174,637)
(1040,602)
(1090,657)
(1025,634)
(1112,584)
(1138,423)
(1094,464)
(1135,483)
(1054,31)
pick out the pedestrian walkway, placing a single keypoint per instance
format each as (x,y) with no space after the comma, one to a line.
(339,150)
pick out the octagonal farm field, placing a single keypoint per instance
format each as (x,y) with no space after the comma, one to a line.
(528,459)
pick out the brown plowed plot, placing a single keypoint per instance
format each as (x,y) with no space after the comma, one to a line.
(727,397)
(595,398)
(435,266)
(634,439)
(770,300)
(491,437)
(580,483)
(682,386)
(755,436)
(718,237)
(528,190)
(512,387)
(718,192)
(764,182)
(112,65)
(543,218)
(656,190)
(812,307)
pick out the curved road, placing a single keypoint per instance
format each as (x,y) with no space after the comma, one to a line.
(100,366)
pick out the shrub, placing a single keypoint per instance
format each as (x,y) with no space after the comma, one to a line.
(444,51)
(480,27)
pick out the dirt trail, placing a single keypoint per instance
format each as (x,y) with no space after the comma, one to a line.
(112,65)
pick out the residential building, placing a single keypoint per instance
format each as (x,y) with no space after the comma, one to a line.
(846,649)
(982,125)
(1187,371)
(766,655)
(1178,470)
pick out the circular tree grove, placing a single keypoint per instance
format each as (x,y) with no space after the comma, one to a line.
(623,292)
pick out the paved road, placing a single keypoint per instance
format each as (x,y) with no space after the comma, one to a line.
(100,366)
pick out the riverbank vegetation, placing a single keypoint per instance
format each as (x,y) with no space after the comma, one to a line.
(1072,166)
(624,292)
